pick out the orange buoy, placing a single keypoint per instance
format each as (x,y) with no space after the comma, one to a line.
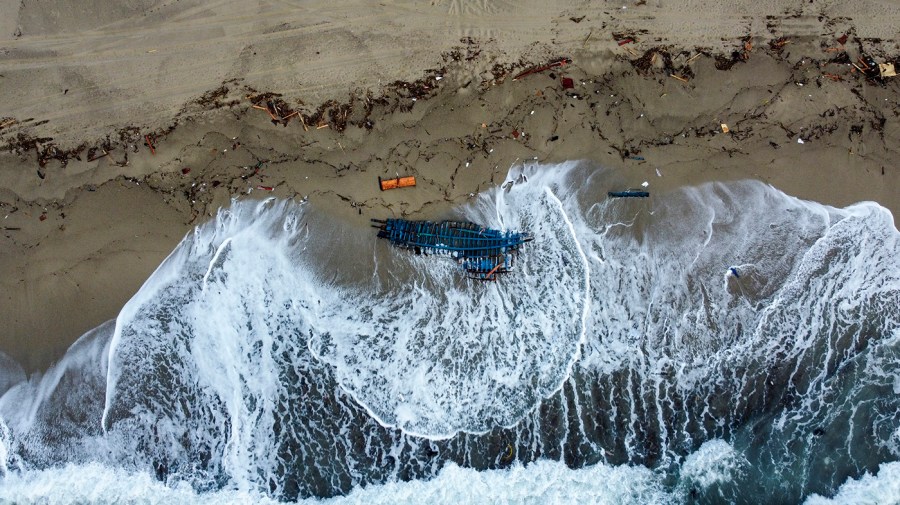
(399,182)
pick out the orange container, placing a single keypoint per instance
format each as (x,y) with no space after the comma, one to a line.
(399,182)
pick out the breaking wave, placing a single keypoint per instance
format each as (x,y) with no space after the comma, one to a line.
(681,348)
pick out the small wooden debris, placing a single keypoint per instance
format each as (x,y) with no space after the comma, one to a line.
(95,158)
(555,63)
(682,79)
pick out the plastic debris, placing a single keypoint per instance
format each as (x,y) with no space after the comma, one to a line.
(725,128)
(886,70)
(645,184)
(568,83)
(800,141)
(631,193)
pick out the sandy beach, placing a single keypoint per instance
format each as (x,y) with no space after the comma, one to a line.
(122,128)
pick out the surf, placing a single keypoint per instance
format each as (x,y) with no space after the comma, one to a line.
(710,339)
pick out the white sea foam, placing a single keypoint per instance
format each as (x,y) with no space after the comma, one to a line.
(544,482)
(715,462)
(880,489)
(437,356)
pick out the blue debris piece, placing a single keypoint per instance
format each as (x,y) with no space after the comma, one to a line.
(735,272)
(629,194)
(482,252)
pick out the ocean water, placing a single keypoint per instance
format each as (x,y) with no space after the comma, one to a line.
(720,343)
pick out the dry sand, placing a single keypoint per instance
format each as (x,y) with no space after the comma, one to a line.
(78,237)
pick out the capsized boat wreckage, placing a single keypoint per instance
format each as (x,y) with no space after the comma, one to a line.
(482,252)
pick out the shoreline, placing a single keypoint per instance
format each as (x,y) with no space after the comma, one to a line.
(80,237)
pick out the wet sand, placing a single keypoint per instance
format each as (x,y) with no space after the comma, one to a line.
(426,90)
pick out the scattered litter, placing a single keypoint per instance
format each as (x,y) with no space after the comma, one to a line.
(800,141)
(843,39)
(734,270)
(636,158)
(266,188)
(657,173)
(886,70)
(568,83)
(725,128)
(625,41)
(43,217)
(532,113)
(399,182)
(150,144)
(554,138)
(645,184)
(185,171)
(682,79)
(515,134)
(869,67)
(555,63)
